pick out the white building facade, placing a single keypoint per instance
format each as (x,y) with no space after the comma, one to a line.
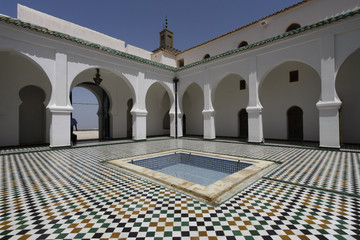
(293,75)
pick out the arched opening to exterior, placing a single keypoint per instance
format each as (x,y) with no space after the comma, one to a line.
(293,26)
(243,44)
(295,123)
(347,88)
(192,105)
(231,94)
(243,124)
(280,90)
(112,96)
(23,85)
(206,56)
(32,116)
(158,107)
(91,112)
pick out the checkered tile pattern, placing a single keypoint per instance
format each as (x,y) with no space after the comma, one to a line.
(332,170)
(75,194)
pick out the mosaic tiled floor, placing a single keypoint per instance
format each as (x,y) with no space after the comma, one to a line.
(75,194)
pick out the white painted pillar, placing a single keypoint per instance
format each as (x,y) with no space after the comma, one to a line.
(60,107)
(60,127)
(208,112)
(139,124)
(209,124)
(172,123)
(139,111)
(254,109)
(329,103)
(174,111)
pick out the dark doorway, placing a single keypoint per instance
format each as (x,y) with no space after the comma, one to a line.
(31,116)
(184,124)
(295,123)
(105,116)
(129,120)
(243,124)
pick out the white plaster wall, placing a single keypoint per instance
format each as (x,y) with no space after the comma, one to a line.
(229,100)
(192,105)
(16,72)
(157,104)
(27,14)
(277,95)
(138,52)
(164,58)
(347,86)
(305,14)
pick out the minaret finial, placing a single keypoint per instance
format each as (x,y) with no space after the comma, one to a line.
(166,22)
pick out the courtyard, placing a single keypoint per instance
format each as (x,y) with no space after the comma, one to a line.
(74,193)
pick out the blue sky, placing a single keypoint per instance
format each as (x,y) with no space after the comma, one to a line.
(138,22)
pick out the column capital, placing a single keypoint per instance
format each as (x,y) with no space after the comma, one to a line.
(179,114)
(138,112)
(254,109)
(60,109)
(328,104)
(209,112)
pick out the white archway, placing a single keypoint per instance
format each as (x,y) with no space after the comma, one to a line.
(230,96)
(192,105)
(113,94)
(158,107)
(290,84)
(11,83)
(347,87)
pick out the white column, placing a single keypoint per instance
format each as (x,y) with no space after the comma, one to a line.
(329,103)
(209,124)
(179,124)
(60,127)
(254,109)
(139,111)
(208,112)
(139,124)
(255,124)
(329,123)
(60,108)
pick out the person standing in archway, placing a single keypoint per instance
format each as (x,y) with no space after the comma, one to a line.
(73,136)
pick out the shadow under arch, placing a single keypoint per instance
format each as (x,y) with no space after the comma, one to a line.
(291,83)
(192,105)
(347,87)
(230,95)
(15,85)
(159,101)
(32,116)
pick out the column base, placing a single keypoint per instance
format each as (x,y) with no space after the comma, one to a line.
(139,124)
(60,126)
(329,123)
(209,124)
(255,124)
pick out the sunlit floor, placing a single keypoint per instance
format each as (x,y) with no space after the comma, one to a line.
(74,193)
(87,134)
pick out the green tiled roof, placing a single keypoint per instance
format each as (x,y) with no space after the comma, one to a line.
(281,36)
(44,30)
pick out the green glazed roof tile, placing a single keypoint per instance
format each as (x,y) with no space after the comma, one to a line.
(330,20)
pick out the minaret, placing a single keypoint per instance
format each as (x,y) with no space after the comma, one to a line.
(166,37)
(166,40)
